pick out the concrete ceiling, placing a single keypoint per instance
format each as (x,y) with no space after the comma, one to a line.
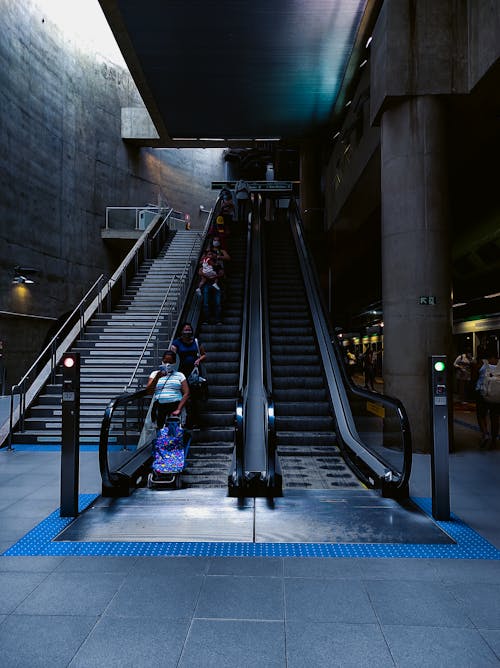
(238,70)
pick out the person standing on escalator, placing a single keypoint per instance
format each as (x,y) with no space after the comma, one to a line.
(169,388)
(242,194)
(191,354)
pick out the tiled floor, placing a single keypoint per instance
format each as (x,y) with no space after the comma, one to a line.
(239,611)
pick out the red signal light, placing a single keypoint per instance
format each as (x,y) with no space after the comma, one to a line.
(69,362)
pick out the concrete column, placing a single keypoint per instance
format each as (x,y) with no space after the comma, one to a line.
(415,252)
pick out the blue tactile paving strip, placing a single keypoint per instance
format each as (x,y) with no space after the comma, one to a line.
(56,447)
(40,542)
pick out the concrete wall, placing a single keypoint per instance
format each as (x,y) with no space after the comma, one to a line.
(62,161)
(483,37)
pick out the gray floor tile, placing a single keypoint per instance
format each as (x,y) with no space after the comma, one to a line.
(38,642)
(96,565)
(24,482)
(15,587)
(26,508)
(232,643)
(10,497)
(172,566)
(480,601)
(330,600)
(260,566)
(327,645)
(322,568)
(8,500)
(239,597)
(468,570)
(62,594)
(45,493)
(131,643)
(492,637)
(13,528)
(157,596)
(418,603)
(398,569)
(428,647)
(30,564)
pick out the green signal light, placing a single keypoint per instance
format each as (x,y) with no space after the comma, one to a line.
(439,366)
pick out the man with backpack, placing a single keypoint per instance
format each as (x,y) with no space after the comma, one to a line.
(488,396)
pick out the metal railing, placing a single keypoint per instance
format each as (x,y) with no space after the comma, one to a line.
(182,282)
(132,217)
(100,297)
(44,367)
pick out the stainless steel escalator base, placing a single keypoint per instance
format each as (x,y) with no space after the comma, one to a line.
(209,515)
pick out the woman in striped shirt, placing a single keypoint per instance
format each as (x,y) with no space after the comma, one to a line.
(169,388)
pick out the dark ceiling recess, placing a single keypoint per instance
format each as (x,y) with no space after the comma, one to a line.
(237,71)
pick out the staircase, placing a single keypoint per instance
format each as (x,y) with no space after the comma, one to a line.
(212,446)
(111,346)
(305,427)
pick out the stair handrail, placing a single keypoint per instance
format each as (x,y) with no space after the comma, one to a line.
(185,280)
(28,394)
(51,348)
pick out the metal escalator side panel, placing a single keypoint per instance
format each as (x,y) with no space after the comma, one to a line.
(253,474)
(382,474)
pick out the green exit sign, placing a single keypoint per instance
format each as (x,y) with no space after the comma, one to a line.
(427,300)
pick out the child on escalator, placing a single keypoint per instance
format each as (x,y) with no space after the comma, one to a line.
(208,272)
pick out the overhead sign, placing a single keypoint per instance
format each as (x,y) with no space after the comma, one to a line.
(428,300)
(261,186)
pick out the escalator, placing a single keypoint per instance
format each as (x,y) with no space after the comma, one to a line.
(294,393)
(283,429)
(305,428)
(126,443)
(212,445)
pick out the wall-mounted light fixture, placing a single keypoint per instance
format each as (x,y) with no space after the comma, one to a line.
(20,275)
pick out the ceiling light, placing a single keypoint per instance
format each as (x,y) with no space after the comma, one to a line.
(459,304)
(368,42)
(495,294)
(363,63)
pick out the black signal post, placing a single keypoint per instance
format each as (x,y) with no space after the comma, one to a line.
(70,442)
(440,445)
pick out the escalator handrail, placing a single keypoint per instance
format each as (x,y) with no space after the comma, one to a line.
(107,476)
(381,468)
(239,450)
(244,317)
(268,380)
